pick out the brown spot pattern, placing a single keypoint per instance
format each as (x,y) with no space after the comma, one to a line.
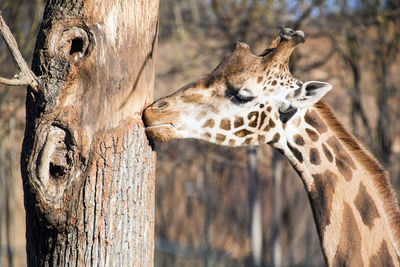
(382,257)
(253,118)
(275,139)
(344,169)
(259,79)
(238,122)
(348,252)
(321,196)
(314,156)
(247,141)
(327,153)
(243,133)
(274,82)
(209,123)
(298,140)
(225,124)
(313,135)
(231,142)
(207,135)
(296,153)
(313,119)
(261,139)
(344,162)
(193,98)
(366,206)
(296,122)
(220,138)
(271,123)
(215,93)
(201,115)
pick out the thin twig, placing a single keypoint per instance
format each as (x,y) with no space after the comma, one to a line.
(26,76)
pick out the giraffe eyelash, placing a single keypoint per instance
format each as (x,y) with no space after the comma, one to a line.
(235,96)
(243,99)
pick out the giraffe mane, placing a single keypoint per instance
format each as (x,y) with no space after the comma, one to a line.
(380,177)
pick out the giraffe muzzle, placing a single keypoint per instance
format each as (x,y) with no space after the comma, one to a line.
(159,121)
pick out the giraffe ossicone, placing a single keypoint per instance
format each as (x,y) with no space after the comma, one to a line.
(253,100)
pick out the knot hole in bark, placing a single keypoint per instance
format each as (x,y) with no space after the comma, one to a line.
(72,39)
(56,164)
(60,160)
(76,46)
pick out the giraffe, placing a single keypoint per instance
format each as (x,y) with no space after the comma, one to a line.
(254,100)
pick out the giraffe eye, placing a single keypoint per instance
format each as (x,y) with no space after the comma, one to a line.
(243,98)
(239,96)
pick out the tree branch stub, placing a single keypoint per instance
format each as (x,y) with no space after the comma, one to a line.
(25,76)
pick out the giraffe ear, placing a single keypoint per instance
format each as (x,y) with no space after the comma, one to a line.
(310,93)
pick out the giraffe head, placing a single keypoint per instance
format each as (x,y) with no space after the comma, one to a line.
(241,102)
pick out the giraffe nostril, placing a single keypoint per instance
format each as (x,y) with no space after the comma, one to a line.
(161,104)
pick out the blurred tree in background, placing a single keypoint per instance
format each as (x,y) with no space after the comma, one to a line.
(204,194)
(23,18)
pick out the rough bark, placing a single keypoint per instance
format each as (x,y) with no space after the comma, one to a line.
(87,167)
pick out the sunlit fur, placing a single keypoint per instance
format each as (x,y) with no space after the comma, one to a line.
(378,174)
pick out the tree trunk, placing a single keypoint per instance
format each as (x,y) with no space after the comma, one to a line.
(87,166)
(256,232)
(277,168)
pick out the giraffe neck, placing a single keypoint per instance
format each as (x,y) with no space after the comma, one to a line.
(354,207)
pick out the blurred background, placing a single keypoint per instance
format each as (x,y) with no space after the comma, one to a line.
(219,206)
